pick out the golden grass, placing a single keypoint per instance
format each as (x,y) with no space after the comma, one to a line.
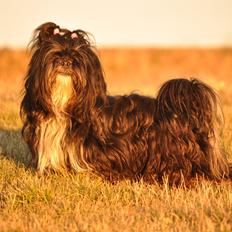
(87,203)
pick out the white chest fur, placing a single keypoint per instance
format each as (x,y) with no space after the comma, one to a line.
(51,148)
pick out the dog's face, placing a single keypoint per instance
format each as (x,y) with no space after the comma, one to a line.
(64,60)
(60,52)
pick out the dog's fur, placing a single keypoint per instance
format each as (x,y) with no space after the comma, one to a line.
(71,123)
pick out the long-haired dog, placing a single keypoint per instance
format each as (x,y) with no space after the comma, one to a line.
(71,123)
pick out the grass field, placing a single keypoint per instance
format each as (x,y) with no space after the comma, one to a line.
(87,203)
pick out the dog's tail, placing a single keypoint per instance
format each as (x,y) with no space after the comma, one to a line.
(194,107)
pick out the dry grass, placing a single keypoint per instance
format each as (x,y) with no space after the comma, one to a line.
(85,202)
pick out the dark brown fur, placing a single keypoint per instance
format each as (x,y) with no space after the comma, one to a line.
(132,137)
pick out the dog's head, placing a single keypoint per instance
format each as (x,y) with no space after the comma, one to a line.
(59,53)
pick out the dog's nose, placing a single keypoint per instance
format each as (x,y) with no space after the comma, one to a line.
(64,62)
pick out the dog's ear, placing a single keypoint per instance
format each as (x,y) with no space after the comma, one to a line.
(46,30)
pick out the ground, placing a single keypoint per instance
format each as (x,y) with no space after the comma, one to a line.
(84,202)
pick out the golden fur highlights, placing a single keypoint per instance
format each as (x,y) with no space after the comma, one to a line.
(53,150)
(52,131)
(62,91)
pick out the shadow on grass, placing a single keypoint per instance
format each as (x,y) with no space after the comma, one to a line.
(13,147)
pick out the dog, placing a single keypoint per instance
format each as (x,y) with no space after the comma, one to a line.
(70,123)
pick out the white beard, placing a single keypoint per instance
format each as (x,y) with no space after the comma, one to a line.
(52,131)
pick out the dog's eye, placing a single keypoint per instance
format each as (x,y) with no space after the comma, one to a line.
(57,61)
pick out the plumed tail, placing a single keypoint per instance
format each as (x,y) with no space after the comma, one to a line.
(191,109)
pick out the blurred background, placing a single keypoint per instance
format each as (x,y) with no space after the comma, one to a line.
(141,43)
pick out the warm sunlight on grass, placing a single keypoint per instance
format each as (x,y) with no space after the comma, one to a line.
(85,202)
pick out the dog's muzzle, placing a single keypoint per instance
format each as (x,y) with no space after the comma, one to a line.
(64,65)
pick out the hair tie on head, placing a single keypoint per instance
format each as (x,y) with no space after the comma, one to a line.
(74,35)
(56,31)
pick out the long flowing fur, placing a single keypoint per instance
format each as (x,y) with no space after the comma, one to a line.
(187,132)
(71,123)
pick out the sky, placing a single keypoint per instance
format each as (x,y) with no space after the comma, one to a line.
(123,22)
